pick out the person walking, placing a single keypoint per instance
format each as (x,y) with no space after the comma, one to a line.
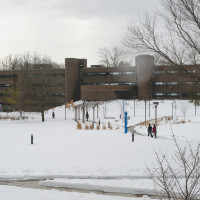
(150,130)
(53,115)
(154,130)
(87,116)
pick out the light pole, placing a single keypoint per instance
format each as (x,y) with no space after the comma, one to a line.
(156,105)
(134,97)
(149,108)
(83,111)
(65,109)
(145,101)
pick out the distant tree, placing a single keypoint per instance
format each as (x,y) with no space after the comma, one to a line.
(30,90)
(184,105)
(37,92)
(26,61)
(111,58)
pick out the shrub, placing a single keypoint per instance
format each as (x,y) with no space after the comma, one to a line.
(79,125)
(86,127)
(104,126)
(91,126)
(98,127)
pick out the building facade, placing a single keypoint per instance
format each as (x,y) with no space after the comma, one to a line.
(143,81)
(98,83)
(55,79)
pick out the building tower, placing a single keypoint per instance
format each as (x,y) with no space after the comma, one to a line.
(73,77)
(144,66)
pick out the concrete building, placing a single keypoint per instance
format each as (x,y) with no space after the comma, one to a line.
(99,83)
(144,81)
(55,77)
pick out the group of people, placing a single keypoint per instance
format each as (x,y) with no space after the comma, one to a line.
(151,130)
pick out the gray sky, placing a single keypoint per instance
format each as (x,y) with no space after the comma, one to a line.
(66,28)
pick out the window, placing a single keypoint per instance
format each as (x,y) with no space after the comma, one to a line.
(116,73)
(173,94)
(171,72)
(159,72)
(128,73)
(159,94)
(91,74)
(5,76)
(5,85)
(159,83)
(188,83)
(192,71)
(172,83)
(101,73)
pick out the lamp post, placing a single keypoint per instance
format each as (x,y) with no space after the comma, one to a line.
(134,97)
(145,101)
(149,108)
(83,111)
(156,105)
(65,109)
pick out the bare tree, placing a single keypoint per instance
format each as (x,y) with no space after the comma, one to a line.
(171,35)
(36,92)
(26,61)
(111,58)
(184,105)
(11,62)
(180,180)
(175,105)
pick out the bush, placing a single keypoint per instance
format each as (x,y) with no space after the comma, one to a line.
(91,126)
(79,125)
(98,127)
(104,126)
(86,127)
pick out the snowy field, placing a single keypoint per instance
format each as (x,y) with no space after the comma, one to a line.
(83,157)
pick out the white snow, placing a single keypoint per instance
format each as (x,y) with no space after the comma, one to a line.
(60,150)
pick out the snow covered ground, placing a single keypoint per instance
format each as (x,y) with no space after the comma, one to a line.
(60,150)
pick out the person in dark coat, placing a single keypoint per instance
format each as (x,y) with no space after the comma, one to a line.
(150,130)
(154,130)
(53,115)
(87,116)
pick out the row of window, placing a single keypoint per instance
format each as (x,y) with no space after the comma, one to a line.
(172,94)
(175,72)
(54,95)
(163,94)
(132,83)
(34,75)
(108,73)
(176,83)
(7,76)
(48,75)
(5,85)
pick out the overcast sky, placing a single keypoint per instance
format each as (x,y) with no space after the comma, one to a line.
(66,28)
